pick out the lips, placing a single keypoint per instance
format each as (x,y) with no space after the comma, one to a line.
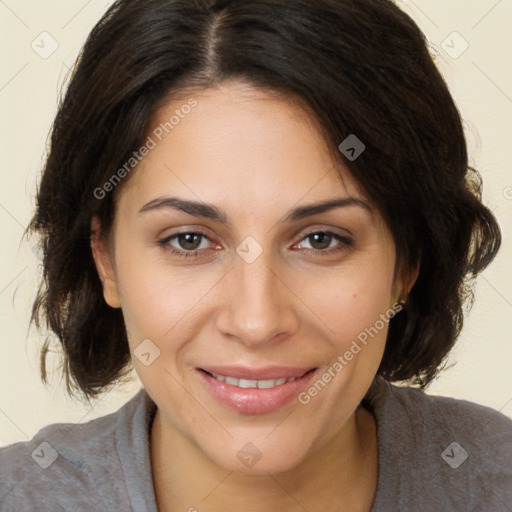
(255,391)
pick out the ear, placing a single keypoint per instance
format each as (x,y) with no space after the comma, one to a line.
(404,283)
(103,260)
(413,277)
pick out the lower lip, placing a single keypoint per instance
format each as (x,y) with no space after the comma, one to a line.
(253,400)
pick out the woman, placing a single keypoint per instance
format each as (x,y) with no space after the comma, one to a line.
(266,207)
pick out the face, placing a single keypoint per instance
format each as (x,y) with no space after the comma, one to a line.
(255,322)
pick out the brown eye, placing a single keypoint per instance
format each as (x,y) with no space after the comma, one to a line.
(189,241)
(186,244)
(322,242)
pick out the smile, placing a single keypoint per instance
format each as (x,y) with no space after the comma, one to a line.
(255,391)
(252,384)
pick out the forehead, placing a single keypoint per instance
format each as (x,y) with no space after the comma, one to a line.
(237,143)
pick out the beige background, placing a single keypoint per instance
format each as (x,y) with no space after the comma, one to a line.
(480,79)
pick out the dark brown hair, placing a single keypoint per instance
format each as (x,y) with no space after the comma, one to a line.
(361,66)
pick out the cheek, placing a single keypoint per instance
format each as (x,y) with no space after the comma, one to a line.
(144,293)
(159,300)
(355,309)
(351,299)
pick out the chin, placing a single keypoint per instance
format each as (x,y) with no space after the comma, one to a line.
(259,457)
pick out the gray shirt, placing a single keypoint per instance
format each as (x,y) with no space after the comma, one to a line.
(435,454)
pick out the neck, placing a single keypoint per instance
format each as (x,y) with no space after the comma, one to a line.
(341,475)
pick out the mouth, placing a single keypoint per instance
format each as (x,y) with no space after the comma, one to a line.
(252,384)
(255,391)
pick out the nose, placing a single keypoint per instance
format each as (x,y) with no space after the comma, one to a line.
(259,305)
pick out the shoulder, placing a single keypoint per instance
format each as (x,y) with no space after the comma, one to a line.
(455,454)
(445,411)
(72,460)
(439,416)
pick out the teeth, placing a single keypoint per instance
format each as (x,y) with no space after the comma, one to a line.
(248,383)
(265,384)
(252,384)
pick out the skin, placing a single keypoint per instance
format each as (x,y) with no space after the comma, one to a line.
(256,157)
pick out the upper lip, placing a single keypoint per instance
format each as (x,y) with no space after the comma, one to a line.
(264,373)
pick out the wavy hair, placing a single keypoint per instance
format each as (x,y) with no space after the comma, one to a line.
(357,66)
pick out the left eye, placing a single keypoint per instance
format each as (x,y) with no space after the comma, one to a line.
(322,240)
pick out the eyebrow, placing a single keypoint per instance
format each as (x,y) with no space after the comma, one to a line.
(209,211)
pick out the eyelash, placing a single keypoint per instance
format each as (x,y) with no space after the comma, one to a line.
(346,242)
